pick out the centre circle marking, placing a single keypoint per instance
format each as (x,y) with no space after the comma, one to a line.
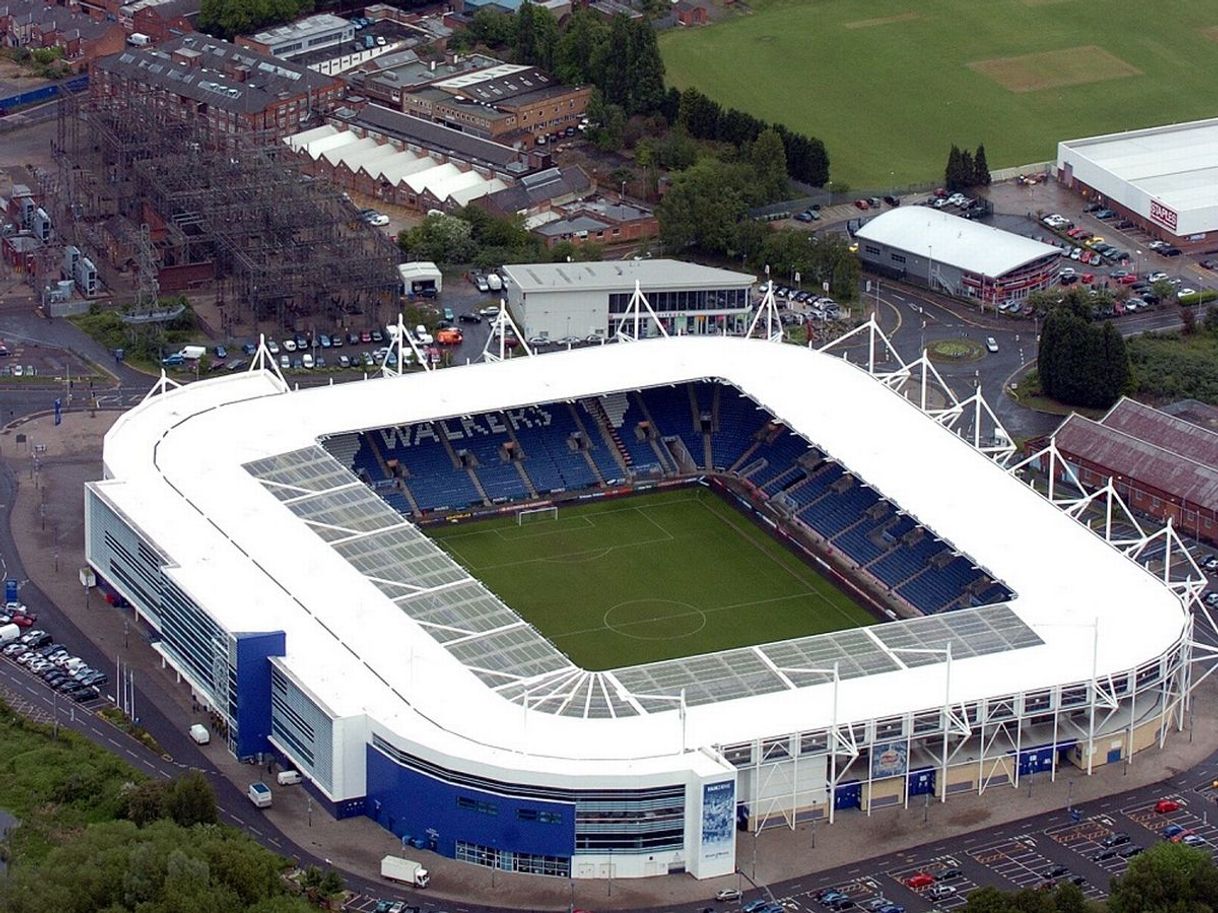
(688,620)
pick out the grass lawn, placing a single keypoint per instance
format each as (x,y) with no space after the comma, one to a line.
(1168,366)
(650,577)
(890,85)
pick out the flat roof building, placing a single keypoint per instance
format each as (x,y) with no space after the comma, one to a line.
(558,300)
(955,255)
(309,34)
(1163,178)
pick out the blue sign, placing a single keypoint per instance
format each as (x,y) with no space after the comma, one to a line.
(58,411)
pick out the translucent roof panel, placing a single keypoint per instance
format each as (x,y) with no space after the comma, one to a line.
(354,509)
(400,559)
(458,611)
(299,472)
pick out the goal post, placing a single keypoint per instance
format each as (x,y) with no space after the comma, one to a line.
(535,514)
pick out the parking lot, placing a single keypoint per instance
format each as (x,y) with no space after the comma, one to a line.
(1019,861)
(950,889)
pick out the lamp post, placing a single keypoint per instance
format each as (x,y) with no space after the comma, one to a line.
(945,651)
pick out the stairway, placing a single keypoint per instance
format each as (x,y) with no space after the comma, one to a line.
(608,430)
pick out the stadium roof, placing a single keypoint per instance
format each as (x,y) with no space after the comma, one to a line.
(381,624)
(962,243)
(1176,163)
(614,275)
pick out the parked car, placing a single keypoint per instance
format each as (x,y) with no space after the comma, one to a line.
(727,894)
(920,880)
(1117,839)
(1166,805)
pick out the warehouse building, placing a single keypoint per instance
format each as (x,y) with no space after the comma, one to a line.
(1161,464)
(957,256)
(1165,179)
(560,300)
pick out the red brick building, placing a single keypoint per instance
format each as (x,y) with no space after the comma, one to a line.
(163,21)
(1161,464)
(232,90)
(689,12)
(81,37)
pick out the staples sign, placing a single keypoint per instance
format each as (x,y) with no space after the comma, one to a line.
(1164,215)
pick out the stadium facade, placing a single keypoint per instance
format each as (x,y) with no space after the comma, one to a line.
(287,583)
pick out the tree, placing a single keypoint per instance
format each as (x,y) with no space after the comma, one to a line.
(613,63)
(699,115)
(1167,878)
(526,38)
(493,28)
(953,174)
(228,18)
(703,205)
(1189,318)
(981,168)
(442,238)
(191,800)
(646,69)
(1211,321)
(1080,363)
(579,48)
(768,157)
(967,174)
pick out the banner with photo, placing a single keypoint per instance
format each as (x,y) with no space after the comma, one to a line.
(718,820)
(889,759)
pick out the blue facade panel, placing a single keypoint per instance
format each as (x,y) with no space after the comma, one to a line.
(411,803)
(253,693)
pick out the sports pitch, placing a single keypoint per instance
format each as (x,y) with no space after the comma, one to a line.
(890,85)
(650,577)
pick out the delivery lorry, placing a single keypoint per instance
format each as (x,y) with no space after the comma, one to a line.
(199,733)
(260,795)
(395,868)
(9,633)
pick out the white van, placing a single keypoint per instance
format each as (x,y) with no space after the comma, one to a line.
(288,777)
(199,733)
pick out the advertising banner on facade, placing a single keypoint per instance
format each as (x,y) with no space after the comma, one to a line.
(718,820)
(889,759)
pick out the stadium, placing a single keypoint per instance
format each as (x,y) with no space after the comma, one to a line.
(793,593)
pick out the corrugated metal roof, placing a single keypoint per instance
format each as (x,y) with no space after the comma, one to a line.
(1168,431)
(1130,457)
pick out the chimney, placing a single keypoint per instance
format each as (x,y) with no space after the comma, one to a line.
(241,73)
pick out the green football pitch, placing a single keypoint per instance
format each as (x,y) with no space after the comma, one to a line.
(889,85)
(650,577)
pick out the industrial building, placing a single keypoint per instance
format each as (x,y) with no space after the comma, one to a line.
(1165,179)
(561,300)
(363,655)
(232,90)
(1161,464)
(955,255)
(311,33)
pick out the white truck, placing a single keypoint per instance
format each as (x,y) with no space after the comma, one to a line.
(199,733)
(494,281)
(260,795)
(8,634)
(395,868)
(193,353)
